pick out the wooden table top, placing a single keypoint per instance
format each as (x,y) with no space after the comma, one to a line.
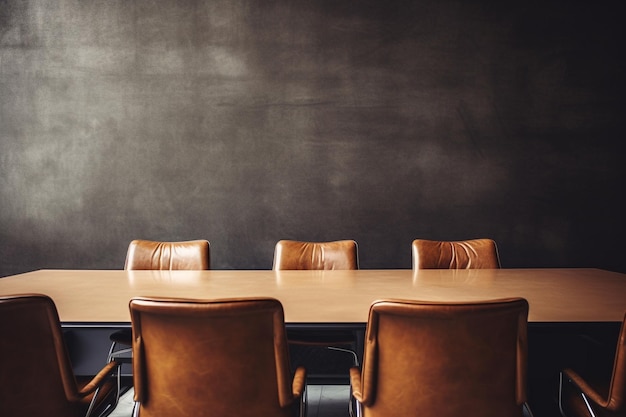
(100,297)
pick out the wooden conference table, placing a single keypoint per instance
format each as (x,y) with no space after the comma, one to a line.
(327,298)
(563,302)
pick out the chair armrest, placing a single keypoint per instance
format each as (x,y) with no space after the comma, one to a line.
(355,382)
(97,381)
(299,382)
(585,388)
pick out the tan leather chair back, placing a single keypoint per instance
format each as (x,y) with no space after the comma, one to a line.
(339,254)
(36,374)
(465,254)
(149,255)
(219,358)
(445,360)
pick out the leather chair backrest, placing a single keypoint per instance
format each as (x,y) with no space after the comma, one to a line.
(292,254)
(217,358)
(153,255)
(464,254)
(36,374)
(445,360)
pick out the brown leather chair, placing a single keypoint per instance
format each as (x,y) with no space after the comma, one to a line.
(338,254)
(155,255)
(432,359)
(586,397)
(464,254)
(218,358)
(292,254)
(37,379)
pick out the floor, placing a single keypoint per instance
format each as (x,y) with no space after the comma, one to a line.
(323,401)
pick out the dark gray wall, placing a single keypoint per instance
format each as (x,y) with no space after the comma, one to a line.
(247,121)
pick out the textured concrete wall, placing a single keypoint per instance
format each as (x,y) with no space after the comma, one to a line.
(245,121)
